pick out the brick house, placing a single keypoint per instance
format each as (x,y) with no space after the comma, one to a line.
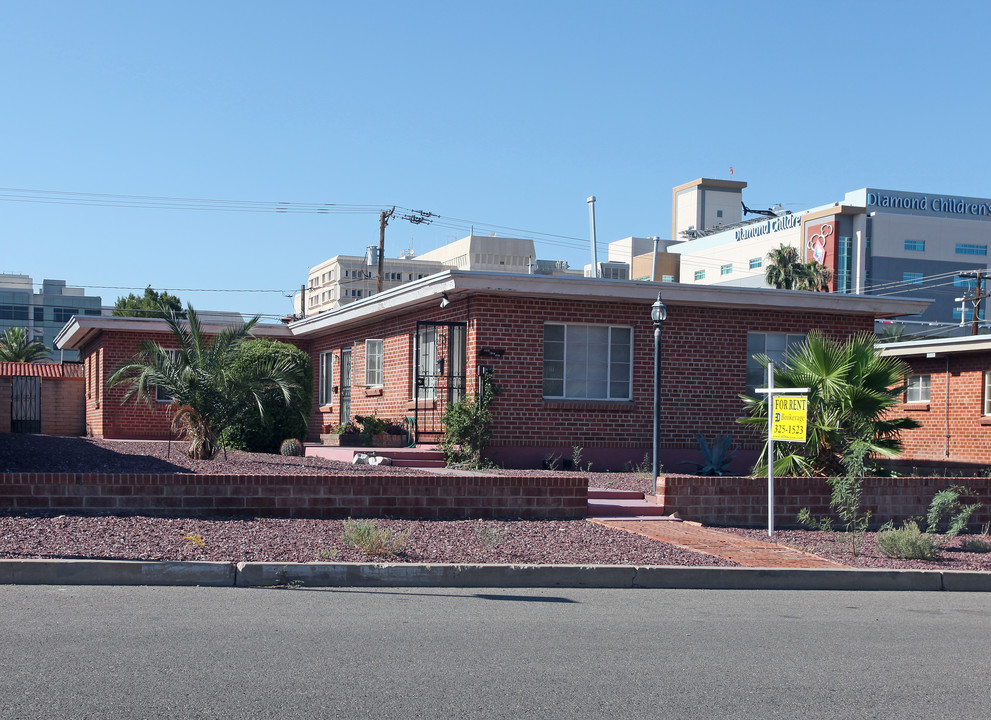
(106,342)
(949,394)
(573,357)
(42,397)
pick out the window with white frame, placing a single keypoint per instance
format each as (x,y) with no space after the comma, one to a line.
(987,392)
(756,263)
(588,362)
(726,269)
(373,363)
(917,390)
(327,378)
(773,345)
(700,274)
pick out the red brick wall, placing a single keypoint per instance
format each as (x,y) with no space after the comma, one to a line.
(364,495)
(393,400)
(704,357)
(742,501)
(63,406)
(954,429)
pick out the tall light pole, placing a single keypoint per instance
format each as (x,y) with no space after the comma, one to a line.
(658,313)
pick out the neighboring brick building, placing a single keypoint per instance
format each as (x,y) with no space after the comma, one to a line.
(573,356)
(949,394)
(105,343)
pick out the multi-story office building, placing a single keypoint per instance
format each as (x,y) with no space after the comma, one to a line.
(878,242)
(45,312)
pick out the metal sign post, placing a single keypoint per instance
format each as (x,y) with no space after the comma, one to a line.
(786,421)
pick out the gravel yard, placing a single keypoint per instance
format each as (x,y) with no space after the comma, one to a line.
(296,540)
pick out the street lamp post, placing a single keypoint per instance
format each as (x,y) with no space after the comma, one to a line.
(658,313)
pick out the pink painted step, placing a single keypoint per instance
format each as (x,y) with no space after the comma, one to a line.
(420,457)
(606,502)
(611,494)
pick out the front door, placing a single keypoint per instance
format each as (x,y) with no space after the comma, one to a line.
(439,378)
(25,404)
(345,396)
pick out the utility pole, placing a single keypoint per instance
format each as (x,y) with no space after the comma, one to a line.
(976,298)
(383,221)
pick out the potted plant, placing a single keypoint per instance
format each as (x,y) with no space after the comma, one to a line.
(344,435)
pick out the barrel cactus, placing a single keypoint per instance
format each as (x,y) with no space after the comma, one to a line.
(292,446)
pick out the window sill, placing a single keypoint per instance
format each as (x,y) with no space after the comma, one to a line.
(915,407)
(608,405)
(421,405)
(326,408)
(986,420)
(373,391)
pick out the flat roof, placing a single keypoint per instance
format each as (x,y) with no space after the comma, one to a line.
(462,283)
(81,328)
(936,346)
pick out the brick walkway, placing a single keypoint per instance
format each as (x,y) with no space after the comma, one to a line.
(747,552)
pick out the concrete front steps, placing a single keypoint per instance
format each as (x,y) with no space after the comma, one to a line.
(421,456)
(623,504)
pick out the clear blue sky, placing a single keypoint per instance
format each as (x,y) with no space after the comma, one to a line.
(503,114)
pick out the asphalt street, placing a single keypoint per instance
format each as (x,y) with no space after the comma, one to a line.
(141,652)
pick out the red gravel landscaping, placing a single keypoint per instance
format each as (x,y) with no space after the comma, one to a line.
(37,535)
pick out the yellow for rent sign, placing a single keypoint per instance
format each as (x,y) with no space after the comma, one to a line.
(789,420)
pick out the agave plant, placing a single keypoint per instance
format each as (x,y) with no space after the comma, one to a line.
(715,457)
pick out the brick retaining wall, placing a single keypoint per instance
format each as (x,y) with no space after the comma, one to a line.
(447,497)
(742,501)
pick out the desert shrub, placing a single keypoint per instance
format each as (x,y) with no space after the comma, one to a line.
(280,420)
(948,513)
(976,544)
(367,537)
(907,542)
(466,428)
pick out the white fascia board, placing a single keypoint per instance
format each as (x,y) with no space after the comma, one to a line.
(80,327)
(936,346)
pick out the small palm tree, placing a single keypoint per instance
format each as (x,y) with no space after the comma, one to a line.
(15,347)
(206,392)
(851,387)
(782,267)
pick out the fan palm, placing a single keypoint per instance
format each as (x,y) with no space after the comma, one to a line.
(782,267)
(206,391)
(15,347)
(851,388)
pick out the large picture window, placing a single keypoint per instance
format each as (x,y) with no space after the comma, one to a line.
(592,362)
(327,378)
(373,363)
(987,392)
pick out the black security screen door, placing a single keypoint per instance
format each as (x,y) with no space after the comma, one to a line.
(345,394)
(25,405)
(439,364)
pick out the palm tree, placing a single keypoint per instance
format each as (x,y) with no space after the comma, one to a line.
(813,276)
(781,267)
(851,388)
(15,347)
(206,392)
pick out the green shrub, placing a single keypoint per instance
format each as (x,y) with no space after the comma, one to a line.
(907,542)
(367,537)
(245,431)
(976,544)
(466,428)
(946,512)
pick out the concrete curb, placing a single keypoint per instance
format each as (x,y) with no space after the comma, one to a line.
(254,574)
(116,572)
